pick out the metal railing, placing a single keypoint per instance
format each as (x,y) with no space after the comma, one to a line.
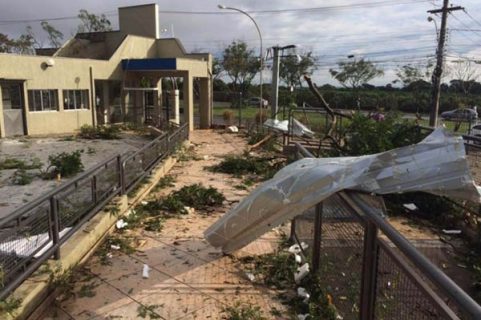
(34,233)
(370,270)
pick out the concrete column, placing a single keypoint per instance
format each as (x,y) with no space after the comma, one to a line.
(106,101)
(176,106)
(125,100)
(2,123)
(139,110)
(158,103)
(205,107)
(189,100)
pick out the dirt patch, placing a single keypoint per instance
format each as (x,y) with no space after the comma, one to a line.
(26,149)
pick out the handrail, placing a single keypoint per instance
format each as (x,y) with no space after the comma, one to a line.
(29,263)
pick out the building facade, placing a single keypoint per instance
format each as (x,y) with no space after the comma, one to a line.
(105,77)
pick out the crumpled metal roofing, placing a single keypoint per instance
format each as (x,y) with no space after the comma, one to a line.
(436,165)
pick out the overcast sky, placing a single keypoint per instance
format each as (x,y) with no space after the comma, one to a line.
(388,32)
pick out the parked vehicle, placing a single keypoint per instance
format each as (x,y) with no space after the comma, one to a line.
(460,114)
(476,131)
(255,101)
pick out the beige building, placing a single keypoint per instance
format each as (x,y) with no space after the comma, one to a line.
(105,77)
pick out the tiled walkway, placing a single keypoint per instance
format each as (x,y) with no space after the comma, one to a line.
(188,278)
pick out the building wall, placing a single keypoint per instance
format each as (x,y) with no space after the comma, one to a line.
(140,20)
(73,73)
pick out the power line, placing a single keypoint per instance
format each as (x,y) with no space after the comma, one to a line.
(275,11)
(472,18)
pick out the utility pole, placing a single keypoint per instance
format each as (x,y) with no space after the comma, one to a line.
(276,59)
(438,70)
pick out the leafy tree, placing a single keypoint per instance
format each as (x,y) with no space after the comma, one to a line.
(91,22)
(216,68)
(291,69)
(240,64)
(355,73)
(54,36)
(23,45)
(465,75)
(414,80)
(6,43)
(409,74)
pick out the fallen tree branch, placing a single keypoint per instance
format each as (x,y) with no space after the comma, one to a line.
(260,143)
(325,105)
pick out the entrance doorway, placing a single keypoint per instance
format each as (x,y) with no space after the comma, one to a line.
(13,102)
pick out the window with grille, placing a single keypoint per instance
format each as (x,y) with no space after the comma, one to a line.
(43,100)
(75,99)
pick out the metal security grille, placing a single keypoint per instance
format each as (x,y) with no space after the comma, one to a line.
(369,269)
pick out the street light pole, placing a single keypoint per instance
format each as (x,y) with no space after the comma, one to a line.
(261,102)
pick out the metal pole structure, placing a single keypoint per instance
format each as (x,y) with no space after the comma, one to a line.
(438,70)
(275,81)
(240,109)
(261,102)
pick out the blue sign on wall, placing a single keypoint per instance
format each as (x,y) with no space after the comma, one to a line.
(149,64)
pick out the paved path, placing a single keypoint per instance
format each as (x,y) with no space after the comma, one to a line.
(189,279)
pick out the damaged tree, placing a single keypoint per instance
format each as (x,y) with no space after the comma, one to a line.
(332,116)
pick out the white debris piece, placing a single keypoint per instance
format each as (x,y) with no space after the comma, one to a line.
(144,202)
(295,248)
(145,271)
(297,129)
(121,224)
(446,231)
(250,276)
(189,210)
(301,273)
(410,206)
(115,247)
(298,258)
(302,316)
(436,165)
(232,129)
(301,292)
(206,157)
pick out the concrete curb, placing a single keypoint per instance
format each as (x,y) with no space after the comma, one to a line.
(35,293)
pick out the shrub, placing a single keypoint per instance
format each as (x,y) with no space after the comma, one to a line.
(367,136)
(198,196)
(65,164)
(21,177)
(228,117)
(241,311)
(100,132)
(13,163)
(261,117)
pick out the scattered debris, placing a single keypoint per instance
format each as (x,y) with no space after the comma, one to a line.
(121,224)
(452,232)
(232,129)
(145,271)
(410,206)
(301,273)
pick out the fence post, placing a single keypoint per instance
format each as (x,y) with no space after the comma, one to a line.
(316,250)
(369,272)
(54,223)
(120,167)
(93,187)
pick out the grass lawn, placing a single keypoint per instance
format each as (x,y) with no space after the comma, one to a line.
(314,120)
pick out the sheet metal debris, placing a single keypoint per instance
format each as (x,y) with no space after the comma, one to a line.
(436,165)
(298,129)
